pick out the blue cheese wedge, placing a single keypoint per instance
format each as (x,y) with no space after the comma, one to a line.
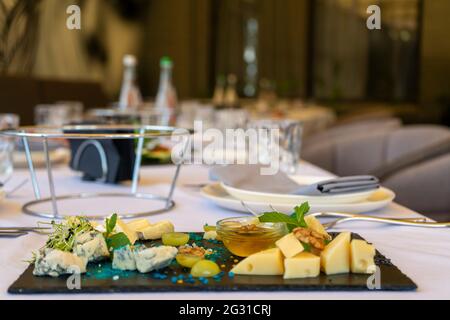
(155,258)
(51,262)
(124,259)
(91,246)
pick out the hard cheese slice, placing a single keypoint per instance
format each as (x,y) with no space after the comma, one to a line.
(303,265)
(289,245)
(362,257)
(122,227)
(155,231)
(138,225)
(265,263)
(335,258)
(315,225)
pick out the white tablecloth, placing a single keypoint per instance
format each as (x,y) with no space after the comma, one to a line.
(422,254)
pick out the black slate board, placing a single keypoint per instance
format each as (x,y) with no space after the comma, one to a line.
(99,279)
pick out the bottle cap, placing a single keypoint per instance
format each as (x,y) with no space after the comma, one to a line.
(166,62)
(129,60)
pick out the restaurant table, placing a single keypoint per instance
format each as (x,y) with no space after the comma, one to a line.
(422,254)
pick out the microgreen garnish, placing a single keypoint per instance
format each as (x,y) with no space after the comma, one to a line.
(64,233)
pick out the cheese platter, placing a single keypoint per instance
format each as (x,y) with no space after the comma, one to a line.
(271,252)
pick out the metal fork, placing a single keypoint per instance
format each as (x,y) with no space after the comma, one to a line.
(11,234)
(332,224)
(345,217)
(15,232)
(411,222)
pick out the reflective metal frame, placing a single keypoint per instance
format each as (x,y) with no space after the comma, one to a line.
(138,132)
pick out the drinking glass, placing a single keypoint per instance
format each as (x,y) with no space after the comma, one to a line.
(231,119)
(51,115)
(278,140)
(75,110)
(7,121)
(153,117)
(186,116)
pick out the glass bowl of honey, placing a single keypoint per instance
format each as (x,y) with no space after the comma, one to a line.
(244,236)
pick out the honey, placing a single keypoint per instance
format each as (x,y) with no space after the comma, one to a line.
(246,236)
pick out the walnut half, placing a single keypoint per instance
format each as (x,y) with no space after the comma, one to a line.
(311,237)
(193,250)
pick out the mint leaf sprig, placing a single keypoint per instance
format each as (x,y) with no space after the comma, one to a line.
(114,240)
(299,214)
(295,220)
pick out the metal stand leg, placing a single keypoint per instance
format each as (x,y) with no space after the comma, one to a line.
(172,186)
(50,179)
(177,173)
(137,163)
(37,192)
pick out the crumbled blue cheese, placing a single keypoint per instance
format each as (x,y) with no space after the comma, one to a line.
(124,259)
(155,258)
(91,245)
(51,262)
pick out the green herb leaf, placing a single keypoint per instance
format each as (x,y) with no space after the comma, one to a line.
(295,220)
(110,224)
(306,246)
(300,212)
(278,217)
(117,241)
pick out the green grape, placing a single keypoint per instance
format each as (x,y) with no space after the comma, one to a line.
(175,239)
(205,268)
(187,260)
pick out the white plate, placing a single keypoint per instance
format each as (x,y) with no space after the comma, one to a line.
(378,200)
(290,199)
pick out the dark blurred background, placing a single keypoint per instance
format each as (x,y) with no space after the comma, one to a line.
(317,50)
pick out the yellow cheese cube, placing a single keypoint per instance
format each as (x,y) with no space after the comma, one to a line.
(289,245)
(265,263)
(362,257)
(138,225)
(122,227)
(335,258)
(314,224)
(303,265)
